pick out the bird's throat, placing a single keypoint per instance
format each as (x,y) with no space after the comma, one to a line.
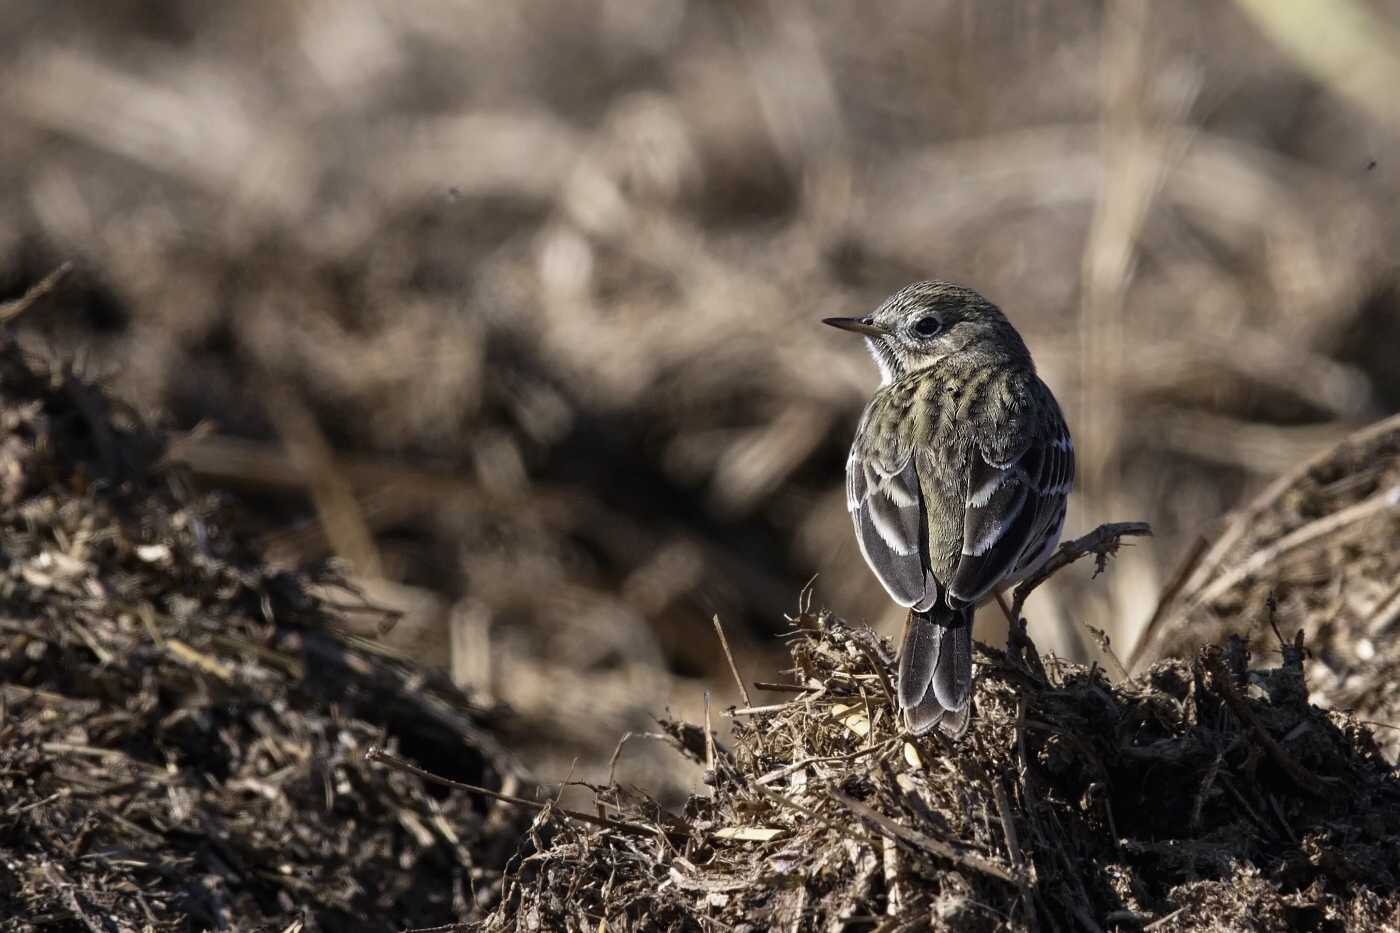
(884,358)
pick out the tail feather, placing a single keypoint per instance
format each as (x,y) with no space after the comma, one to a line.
(935,670)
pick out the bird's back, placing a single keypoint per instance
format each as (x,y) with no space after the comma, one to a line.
(937,415)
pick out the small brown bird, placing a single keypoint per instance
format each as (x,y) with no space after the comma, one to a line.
(956,482)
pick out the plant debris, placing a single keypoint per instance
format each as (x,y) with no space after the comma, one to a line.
(1318,552)
(1176,800)
(181,730)
(183,734)
(546,277)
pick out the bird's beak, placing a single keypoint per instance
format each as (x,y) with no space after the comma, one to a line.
(859,325)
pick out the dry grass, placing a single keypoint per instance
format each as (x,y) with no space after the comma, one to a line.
(183,733)
(1163,803)
(512,306)
(181,728)
(1317,553)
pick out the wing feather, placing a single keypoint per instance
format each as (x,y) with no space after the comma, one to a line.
(887,508)
(1012,509)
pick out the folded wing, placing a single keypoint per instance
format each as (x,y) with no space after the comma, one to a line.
(887,508)
(1012,507)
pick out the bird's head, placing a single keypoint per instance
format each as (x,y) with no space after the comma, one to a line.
(929,322)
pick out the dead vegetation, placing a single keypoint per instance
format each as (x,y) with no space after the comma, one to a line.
(183,734)
(181,728)
(512,306)
(1318,552)
(1196,796)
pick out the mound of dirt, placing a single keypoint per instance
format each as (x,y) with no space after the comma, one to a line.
(182,731)
(1197,796)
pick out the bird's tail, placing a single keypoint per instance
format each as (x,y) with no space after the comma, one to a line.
(935,670)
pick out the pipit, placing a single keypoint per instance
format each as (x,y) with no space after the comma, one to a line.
(956,482)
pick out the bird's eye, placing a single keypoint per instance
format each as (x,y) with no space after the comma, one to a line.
(927,326)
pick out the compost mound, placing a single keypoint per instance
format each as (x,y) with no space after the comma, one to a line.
(181,731)
(1317,551)
(1199,795)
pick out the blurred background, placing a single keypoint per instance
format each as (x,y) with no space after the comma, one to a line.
(513,307)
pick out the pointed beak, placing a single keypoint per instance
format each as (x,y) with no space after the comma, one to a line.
(859,325)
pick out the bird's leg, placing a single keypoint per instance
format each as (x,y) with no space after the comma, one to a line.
(1020,650)
(1006,610)
(1015,632)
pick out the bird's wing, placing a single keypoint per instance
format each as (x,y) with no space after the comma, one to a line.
(1011,506)
(887,507)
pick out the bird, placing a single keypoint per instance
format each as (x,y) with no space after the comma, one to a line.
(956,482)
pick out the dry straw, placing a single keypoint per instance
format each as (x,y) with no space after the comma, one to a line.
(1173,800)
(181,726)
(444,271)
